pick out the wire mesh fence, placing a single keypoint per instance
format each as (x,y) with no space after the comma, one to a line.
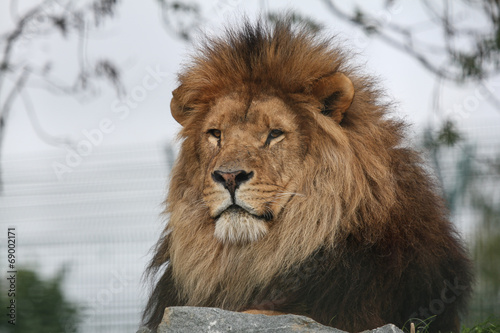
(100,219)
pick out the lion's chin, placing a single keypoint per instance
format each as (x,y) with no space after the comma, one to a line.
(239,227)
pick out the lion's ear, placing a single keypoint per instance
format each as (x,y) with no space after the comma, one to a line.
(179,112)
(335,92)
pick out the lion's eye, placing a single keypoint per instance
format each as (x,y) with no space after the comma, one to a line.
(215,133)
(275,133)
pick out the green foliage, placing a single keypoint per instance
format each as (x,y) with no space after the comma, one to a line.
(421,326)
(486,253)
(484,56)
(471,64)
(441,143)
(487,256)
(463,187)
(40,305)
(489,326)
(449,135)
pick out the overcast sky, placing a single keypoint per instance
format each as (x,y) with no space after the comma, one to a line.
(138,42)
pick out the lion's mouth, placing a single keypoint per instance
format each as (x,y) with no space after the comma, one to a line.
(236,209)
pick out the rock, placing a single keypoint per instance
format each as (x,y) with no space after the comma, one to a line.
(389,328)
(187,319)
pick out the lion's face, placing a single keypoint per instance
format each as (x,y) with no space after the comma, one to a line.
(252,152)
(250,146)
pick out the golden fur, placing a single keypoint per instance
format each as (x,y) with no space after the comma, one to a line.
(334,179)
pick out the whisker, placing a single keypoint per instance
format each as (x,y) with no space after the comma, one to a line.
(291,193)
(274,202)
(270,184)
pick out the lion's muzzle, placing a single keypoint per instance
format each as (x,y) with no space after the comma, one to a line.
(236,220)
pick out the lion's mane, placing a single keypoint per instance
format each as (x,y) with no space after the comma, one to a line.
(368,242)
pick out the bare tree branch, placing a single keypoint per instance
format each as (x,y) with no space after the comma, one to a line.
(9,101)
(478,64)
(65,17)
(405,47)
(180,18)
(35,123)
(460,60)
(12,38)
(5,110)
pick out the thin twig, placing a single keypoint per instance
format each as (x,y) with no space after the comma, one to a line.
(13,37)
(35,123)
(405,47)
(450,30)
(5,109)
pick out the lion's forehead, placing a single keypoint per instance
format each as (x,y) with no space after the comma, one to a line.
(258,113)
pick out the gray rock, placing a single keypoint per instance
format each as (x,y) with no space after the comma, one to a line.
(389,328)
(187,319)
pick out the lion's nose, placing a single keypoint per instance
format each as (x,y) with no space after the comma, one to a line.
(231,180)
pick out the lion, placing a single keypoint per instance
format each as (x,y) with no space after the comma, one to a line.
(294,192)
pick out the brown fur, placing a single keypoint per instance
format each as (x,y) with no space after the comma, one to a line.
(354,235)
